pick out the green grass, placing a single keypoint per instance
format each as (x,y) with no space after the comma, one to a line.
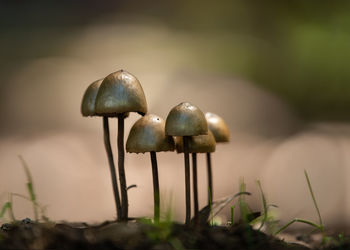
(246,213)
(37,208)
(219,205)
(265,220)
(269,222)
(162,230)
(233,214)
(319,226)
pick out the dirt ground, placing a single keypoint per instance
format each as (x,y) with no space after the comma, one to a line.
(27,234)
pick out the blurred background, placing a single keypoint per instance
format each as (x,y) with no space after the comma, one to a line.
(277,72)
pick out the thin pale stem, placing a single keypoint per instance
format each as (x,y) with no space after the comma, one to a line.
(210,179)
(187,180)
(121,168)
(195,184)
(111,165)
(155,186)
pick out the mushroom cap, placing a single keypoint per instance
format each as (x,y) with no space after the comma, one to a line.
(197,144)
(186,119)
(120,92)
(148,134)
(89,98)
(218,127)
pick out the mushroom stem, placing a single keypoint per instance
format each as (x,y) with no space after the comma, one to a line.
(210,179)
(111,166)
(155,186)
(121,169)
(187,180)
(195,184)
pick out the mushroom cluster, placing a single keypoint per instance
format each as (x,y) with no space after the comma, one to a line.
(186,128)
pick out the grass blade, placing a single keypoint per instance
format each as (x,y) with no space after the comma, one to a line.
(30,187)
(4,208)
(314,200)
(21,196)
(246,212)
(264,205)
(297,220)
(232,214)
(8,207)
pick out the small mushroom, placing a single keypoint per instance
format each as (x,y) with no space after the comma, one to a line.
(120,92)
(186,120)
(88,109)
(221,134)
(148,135)
(197,144)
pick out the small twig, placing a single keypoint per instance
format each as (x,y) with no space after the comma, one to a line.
(131,186)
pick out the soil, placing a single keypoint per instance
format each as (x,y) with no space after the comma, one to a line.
(27,234)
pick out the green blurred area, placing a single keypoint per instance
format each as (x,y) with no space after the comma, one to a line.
(299,50)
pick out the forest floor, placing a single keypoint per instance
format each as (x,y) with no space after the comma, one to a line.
(140,234)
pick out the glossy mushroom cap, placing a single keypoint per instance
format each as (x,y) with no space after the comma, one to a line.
(186,119)
(197,144)
(218,127)
(148,134)
(120,92)
(89,98)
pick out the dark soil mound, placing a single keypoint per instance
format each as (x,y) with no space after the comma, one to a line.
(134,235)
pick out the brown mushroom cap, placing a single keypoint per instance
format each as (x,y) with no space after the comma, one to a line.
(218,127)
(148,134)
(120,92)
(89,98)
(197,144)
(186,119)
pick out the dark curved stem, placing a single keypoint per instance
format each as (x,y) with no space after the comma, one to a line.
(187,180)
(111,166)
(155,187)
(195,184)
(121,169)
(210,179)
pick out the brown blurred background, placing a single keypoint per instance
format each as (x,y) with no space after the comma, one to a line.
(277,72)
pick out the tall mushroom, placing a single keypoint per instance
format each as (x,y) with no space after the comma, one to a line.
(197,144)
(186,120)
(120,93)
(148,135)
(88,109)
(222,134)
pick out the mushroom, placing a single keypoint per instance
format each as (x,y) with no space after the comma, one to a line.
(120,93)
(88,109)
(197,144)
(148,135)
(222,134)
(186,120)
